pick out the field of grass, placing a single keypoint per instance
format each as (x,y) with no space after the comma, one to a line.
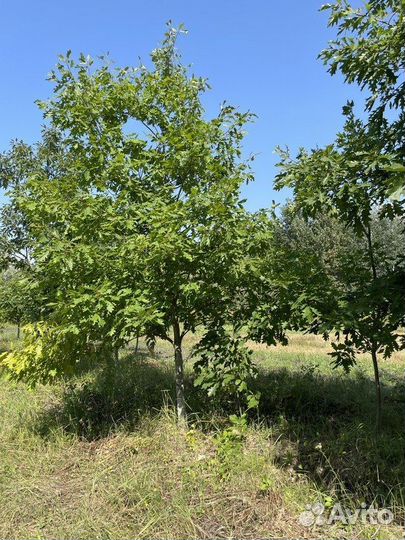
(95,458)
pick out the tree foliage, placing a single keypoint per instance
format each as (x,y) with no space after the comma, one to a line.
(358,177)
(129,217)
(20,300)
(136,217)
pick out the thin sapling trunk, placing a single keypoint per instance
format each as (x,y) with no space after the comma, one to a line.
(373,343)
(377,388)
(179,373)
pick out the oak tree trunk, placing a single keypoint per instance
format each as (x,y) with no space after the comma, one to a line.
(179,367)
(373,342)
(377,388)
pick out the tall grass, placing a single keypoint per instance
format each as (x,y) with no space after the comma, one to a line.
(95,457)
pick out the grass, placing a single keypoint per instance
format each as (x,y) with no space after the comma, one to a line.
(90,459)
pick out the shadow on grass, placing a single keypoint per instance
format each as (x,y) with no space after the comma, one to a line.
(324,424)
(100,401)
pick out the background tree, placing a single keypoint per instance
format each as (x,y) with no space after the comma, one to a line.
(358,177)
(19,299)
(14,238)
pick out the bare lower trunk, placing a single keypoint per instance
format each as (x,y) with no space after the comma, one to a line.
(18,330)
(377,388)
(179,367)
(136,343)
(373,342)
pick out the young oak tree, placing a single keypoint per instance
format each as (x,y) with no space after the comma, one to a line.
(141,230)
(358,177)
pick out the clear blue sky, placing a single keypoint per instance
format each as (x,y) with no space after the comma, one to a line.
(258,54)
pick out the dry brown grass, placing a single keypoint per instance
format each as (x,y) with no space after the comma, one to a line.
(310,345)
(157,485)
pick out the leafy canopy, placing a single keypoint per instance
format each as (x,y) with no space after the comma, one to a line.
(357,179)
(136,217)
